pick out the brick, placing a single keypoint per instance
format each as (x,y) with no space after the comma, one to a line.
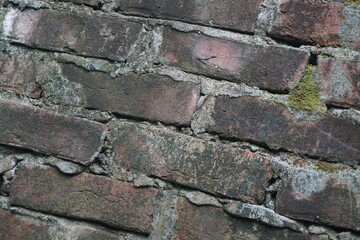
(70,138)
(18,74)
(85,196)
(211,167)
(86,233)
(14,227)
(317,23)
(331,199)
(147,96)
(268,67)
(340,82)
(92,3)
(87,35)
(237,15)
(211,223)
(270,124)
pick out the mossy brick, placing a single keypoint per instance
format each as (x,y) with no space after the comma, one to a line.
(43,131)
(87,35)
(85,196)
(239,15)
(340,82)
(271,124)
(267,67)
(207,166)
(15,227)
(320,23)
(147,96)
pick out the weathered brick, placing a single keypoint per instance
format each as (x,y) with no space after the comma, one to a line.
(237,15)
(18,74)
(268,67)
(81,233)
(14,227)
(322,23)
(70,138)
(85,196)
(332,199)
(92,3)
(211,223)
(269,123)
(88,35)
(211,167)
(340,82)
(147,96)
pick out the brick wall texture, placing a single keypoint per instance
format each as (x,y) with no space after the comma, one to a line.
(179,119)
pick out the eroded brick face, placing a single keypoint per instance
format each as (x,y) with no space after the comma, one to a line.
(85,196)
(267,67)
(207,166)
(271,124)
(43,131)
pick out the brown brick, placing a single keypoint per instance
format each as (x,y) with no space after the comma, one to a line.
(317,23)
(147,96)
(85,196)
(268,67)
(18,74)
(14,227)
(211,167)
(320,197)
(70,138)
(269,123)
(211,223)
(88,35)
(340,82)
(239,15)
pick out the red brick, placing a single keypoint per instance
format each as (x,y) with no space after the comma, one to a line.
(147,96)
(269,123)
(14,227)
(70,138)
(237,15)
(340,82)
(211,223)
(88,35)
(211,167)
(268,67)
(18,74)
(85,196)
(316,197)
(317,23)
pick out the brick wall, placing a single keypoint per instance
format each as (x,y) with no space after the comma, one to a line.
(179,120)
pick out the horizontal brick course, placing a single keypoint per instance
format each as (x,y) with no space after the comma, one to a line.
(207,166)
(88,35)
(15,227)
(269,123)
(85,196)
(147,96)
(239,15)
(70,138)
(267,67)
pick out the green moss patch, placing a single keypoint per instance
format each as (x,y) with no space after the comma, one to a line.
(306,95)
(352,2)
(329,167)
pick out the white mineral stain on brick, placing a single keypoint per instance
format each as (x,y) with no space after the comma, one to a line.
(20,26)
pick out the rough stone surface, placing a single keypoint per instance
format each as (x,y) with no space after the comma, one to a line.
(43,131)
(309,22)
(237,15)
(332,199)
(211,223)
(18,74)
(340,80)
(268,67)
(270,123)
(88,35)
(14,227)
(148,96)
(93,3)
(211,167)
(85,196)
(81,233)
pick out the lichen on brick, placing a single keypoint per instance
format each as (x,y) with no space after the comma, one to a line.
(306,95)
